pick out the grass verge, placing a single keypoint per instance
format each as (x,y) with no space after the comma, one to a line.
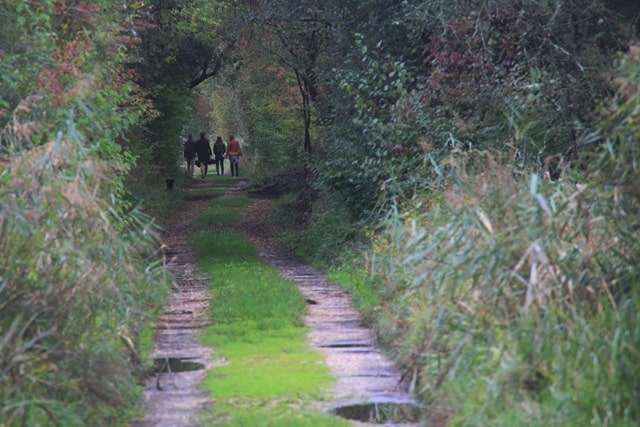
(268,374)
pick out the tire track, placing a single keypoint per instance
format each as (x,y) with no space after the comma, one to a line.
(365,377)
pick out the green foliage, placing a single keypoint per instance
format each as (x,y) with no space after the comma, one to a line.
(275,123)
(514,77)
(25,34)
(327,232)
(258,103)
(620,127)
(171,55)
(382,156)
(72,71)
(538,64)
(514,294)
(454,294)
(79,275)
(155,200)
(364,289)
(77,280)
(613,169)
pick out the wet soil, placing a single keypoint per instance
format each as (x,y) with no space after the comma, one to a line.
(367,385)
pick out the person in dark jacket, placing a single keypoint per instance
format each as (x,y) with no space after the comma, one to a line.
(203,149)
(190,155)
(218,152)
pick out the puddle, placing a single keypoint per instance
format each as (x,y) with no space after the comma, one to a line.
(347,344)
(175,364)
(380,412)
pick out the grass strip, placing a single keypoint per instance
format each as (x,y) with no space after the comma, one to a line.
(223,210)
(205,192)
(268,375)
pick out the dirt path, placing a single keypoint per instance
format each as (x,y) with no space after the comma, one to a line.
(367,387)
(172,397)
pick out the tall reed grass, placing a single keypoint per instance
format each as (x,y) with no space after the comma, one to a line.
(78,278)
(516,297)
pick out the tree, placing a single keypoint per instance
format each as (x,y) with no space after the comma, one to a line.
(516,77)
(182,44)
(75,276)
(296,33)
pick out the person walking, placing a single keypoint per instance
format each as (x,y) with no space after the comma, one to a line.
(190,155)
(203,149)
(234,153)
(218,152)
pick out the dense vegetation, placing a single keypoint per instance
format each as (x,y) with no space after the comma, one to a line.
(479,159)
(79,276)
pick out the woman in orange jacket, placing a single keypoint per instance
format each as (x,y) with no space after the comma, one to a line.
(234,153)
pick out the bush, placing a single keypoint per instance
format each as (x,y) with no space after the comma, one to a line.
(517,77)
(320,232)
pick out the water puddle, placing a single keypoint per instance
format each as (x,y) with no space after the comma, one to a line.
(175,364)
(380,412)
(347,344)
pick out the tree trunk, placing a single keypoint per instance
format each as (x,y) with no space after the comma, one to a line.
(303,85)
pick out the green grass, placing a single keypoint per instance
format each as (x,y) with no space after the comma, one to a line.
(362,287)
(217,215)
(232,201)
(146,343)
(256,414)
(224,246)
(268,375)
(275,364)
(223,210)
(205,191)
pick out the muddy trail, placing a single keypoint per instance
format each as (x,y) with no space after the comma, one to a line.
(368,389)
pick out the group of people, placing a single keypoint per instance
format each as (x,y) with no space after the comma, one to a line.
(200,153)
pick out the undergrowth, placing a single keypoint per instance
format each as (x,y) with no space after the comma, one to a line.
(151,195)
(321,233)
(350,273)
(79,280)
(508,298)
(517,299)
